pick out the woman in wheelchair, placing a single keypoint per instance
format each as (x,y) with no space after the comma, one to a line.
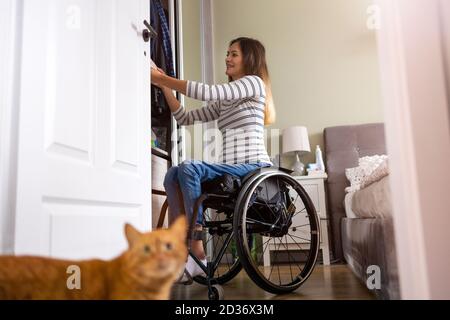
(243,106)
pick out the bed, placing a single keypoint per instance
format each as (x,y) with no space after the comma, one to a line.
(361,220)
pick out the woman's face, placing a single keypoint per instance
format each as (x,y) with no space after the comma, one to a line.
(235,68)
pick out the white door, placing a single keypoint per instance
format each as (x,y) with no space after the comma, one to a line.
(84,132)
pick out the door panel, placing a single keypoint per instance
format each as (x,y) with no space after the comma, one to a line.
(67,218)
(84,133)
(69,79)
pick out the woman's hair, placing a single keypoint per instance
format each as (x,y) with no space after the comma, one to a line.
(254,62)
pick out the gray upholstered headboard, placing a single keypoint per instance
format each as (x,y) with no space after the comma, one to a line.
(344,145)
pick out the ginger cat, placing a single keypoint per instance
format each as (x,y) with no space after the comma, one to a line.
(146,270)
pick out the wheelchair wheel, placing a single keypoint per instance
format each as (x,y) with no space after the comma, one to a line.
(279,213)
(218,236)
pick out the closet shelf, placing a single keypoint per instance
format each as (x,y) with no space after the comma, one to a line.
(161,153)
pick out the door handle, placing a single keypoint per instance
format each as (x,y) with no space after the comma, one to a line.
(149,32)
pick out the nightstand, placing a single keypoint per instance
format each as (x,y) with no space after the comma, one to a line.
(314,185)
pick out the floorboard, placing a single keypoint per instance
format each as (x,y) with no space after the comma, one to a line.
(335,282)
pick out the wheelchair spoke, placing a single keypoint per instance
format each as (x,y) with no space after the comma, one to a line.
(273,213)
(278,265)
(298,245)
(259,222)
(265,201)
(299,226)
(215,253)
(304,208)
(263,245)
(276,253)
(257,211)
(289,255)
(309,240)
(267,245)
(206,215)
(217,235)
(301,249)
(295,200)
(228,262)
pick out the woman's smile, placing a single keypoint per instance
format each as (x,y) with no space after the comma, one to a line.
(233,62)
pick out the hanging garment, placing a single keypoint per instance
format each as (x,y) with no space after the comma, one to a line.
(159,18)
(161,54)
(156,43)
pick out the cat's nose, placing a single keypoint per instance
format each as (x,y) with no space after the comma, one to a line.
(163,264)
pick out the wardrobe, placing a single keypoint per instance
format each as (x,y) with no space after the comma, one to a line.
(167,139)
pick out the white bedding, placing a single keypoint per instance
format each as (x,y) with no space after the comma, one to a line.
(368,194)
(348,205)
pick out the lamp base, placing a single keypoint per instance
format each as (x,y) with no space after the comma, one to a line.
(298,167)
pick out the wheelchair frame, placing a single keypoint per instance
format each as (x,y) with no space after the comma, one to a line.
(249,182)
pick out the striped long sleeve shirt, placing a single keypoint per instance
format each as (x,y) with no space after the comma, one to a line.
(238,107)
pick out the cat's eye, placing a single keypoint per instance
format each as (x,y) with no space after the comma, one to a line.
(169,246)
(147,249)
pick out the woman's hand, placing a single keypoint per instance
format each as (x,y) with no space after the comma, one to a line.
(156,76)
(161,80)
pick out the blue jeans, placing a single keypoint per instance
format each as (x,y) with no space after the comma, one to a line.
(188,176)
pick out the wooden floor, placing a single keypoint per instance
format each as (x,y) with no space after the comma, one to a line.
(336,282)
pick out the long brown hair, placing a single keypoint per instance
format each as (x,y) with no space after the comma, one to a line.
(254,61)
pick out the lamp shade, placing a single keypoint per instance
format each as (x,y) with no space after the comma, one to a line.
(295,139)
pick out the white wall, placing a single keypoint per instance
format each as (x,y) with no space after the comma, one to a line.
(321,55)
(10,13)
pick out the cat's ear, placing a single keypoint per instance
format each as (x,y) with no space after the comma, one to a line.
(132,234)
(180,227)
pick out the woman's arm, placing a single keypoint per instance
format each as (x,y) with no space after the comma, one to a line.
(183,117)
(162,80)
(171,100)
(246,87)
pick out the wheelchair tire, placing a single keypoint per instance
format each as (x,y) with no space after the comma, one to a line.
(222,279)
(256,215)
(216,293)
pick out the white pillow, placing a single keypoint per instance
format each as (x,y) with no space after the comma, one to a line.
(370,163)
(366,165)
(355,176)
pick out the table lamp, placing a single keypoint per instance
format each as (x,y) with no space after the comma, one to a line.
(296,141)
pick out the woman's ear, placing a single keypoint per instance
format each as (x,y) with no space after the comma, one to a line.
(131,234)
(180,227)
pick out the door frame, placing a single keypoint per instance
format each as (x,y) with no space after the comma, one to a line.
(11,13)
(208,75)
(414,75)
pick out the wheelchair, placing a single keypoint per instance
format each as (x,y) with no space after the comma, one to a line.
(268,207)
